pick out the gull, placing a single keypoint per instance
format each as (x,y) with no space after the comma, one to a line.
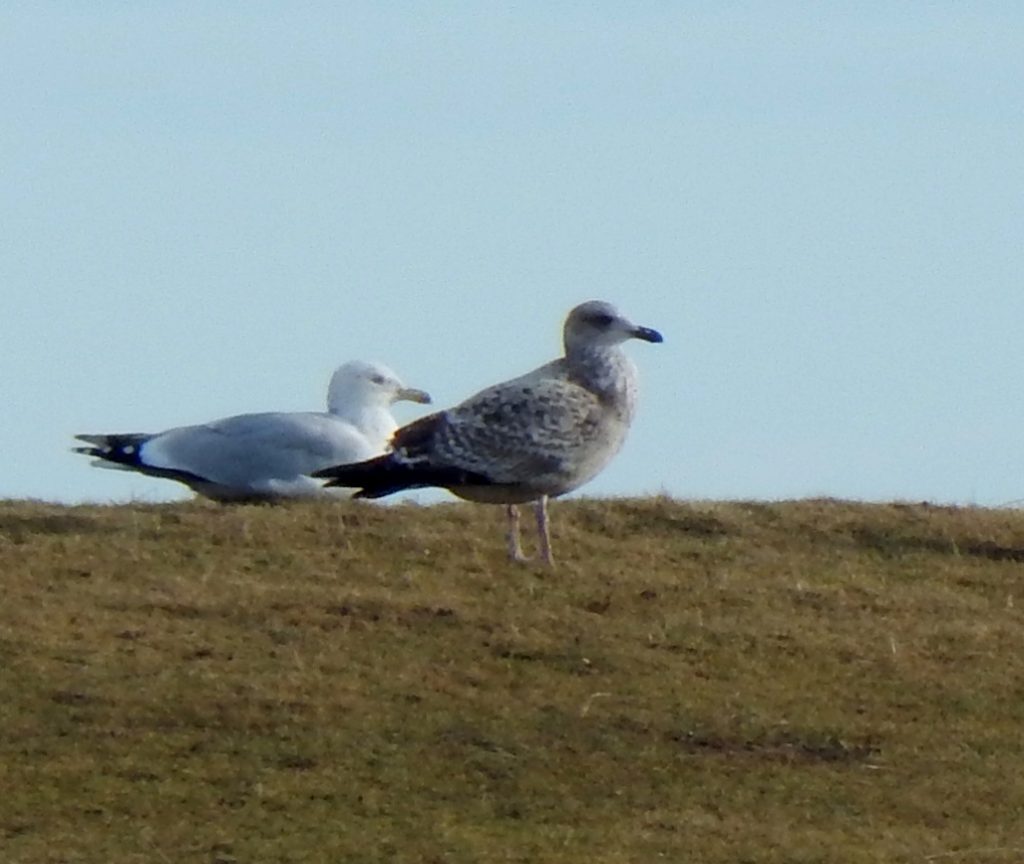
(267,456)
(529,439)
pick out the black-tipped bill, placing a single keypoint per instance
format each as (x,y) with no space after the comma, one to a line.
(647,334)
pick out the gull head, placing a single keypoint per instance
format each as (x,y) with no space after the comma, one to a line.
(361,384)
(597,323)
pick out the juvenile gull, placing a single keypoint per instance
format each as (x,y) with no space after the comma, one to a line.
(261,457)
(534,437)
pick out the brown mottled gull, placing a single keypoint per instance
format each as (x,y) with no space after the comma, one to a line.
(534,437)
(263,457)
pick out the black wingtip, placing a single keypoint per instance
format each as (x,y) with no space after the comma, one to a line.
(341,475)
(373,477)
(122,449)
(388,474)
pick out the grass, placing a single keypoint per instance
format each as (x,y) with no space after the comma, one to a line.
(812,681)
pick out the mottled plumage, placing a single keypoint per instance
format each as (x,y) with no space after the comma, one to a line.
(266,456)
(533,437)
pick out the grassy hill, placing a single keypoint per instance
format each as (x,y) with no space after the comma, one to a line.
(814,681)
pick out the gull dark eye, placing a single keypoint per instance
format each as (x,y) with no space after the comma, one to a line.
(377,379)
(602,320)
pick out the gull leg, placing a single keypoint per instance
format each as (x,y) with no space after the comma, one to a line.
(540,508)
(515,551)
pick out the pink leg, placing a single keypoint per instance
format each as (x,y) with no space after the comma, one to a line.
(515,551)
(540,508)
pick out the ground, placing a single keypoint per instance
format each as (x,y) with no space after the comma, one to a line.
(813,681)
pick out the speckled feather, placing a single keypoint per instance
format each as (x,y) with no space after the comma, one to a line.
(541,434)
(546,432)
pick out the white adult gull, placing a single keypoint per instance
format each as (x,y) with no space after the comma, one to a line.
(267,456)
(529,439)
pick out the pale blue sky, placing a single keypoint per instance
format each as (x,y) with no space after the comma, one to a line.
(208,206)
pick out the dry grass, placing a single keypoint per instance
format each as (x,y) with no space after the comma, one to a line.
(797,682)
